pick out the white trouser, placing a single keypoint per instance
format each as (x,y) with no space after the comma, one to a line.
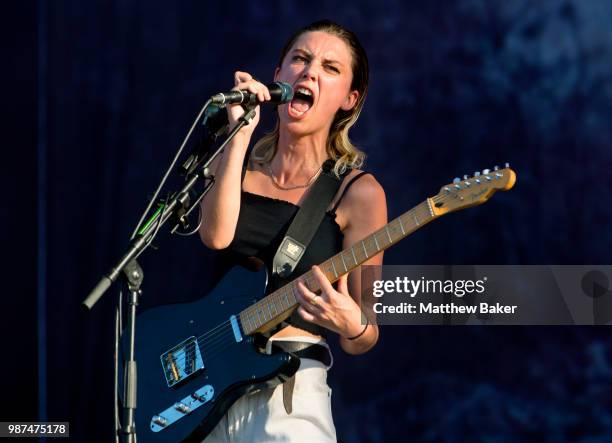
(261,417)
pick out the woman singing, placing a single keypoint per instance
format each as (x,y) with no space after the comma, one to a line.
(254,201)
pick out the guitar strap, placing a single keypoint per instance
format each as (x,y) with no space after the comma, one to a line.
(298,237)
(306,221)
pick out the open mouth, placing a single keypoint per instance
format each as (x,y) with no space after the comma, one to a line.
(302,101)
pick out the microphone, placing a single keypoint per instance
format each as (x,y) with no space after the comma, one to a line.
(280,93)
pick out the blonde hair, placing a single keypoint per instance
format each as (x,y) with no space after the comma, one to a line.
(339,146)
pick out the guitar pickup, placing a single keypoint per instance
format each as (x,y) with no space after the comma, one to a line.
(182,361)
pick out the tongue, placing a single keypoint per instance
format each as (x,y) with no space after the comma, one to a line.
(300,105)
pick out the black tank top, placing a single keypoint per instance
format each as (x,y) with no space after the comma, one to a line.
(262,224)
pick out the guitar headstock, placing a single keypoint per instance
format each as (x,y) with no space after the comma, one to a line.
(472,191)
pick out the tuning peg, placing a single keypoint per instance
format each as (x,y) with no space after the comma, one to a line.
(486,171)
(507,165)
(465,177)
(477,174)
(496,168)
(456,180)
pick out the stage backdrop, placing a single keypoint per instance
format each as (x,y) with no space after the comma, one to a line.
(455,87)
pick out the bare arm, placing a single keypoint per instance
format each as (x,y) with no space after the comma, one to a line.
(221,205)
(340,310)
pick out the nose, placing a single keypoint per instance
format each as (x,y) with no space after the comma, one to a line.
(310,72)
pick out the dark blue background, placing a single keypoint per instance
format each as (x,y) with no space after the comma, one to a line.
(456,86)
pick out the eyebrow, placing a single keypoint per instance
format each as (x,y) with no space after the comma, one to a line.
(309,54)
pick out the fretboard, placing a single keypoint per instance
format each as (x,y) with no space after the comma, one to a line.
(280,304)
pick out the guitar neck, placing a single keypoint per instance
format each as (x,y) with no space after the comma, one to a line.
(280,304)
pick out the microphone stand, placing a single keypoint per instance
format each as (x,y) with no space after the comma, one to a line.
(178,208)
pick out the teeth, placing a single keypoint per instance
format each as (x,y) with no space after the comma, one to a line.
(304,91)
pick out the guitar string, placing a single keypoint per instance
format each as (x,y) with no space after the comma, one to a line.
(209,338)
(206,348)
(215,336)
(189,349)
(215,340)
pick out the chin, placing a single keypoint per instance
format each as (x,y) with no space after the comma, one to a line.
(297,127)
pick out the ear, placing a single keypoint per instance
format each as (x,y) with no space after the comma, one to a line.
(350,101)
(276,71)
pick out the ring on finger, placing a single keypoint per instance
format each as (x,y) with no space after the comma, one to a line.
(313,301)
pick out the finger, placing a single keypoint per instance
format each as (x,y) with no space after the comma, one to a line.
(263,94)
(304,290)
(343,284)
(241,77)
(305,314)
(307,298)
(326,286)
(245,81)
(252,87)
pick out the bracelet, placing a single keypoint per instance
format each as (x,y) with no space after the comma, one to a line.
(362,332)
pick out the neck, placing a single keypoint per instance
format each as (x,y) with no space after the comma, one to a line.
(298,157)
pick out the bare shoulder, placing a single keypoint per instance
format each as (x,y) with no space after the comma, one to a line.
(364,192)
(364,206)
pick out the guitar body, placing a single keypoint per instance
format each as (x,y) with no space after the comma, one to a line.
(173,385)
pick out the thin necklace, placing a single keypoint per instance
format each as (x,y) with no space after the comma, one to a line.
(290,188)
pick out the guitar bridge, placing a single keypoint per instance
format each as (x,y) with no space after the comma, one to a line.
(182,361)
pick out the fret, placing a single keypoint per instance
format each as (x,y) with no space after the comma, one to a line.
(309,284)
(270,310)
(272,305)
(430,208)
(250,322)
(354,258)
(401,225)
(388,234)
(416,221)
(376,241)
(334,268)
(259,316)
(343,262)
(287,299)
(294,289)
(364,249)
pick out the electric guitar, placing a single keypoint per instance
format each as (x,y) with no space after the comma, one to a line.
(196,359)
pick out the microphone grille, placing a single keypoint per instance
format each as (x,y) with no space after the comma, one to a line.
(286,92)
